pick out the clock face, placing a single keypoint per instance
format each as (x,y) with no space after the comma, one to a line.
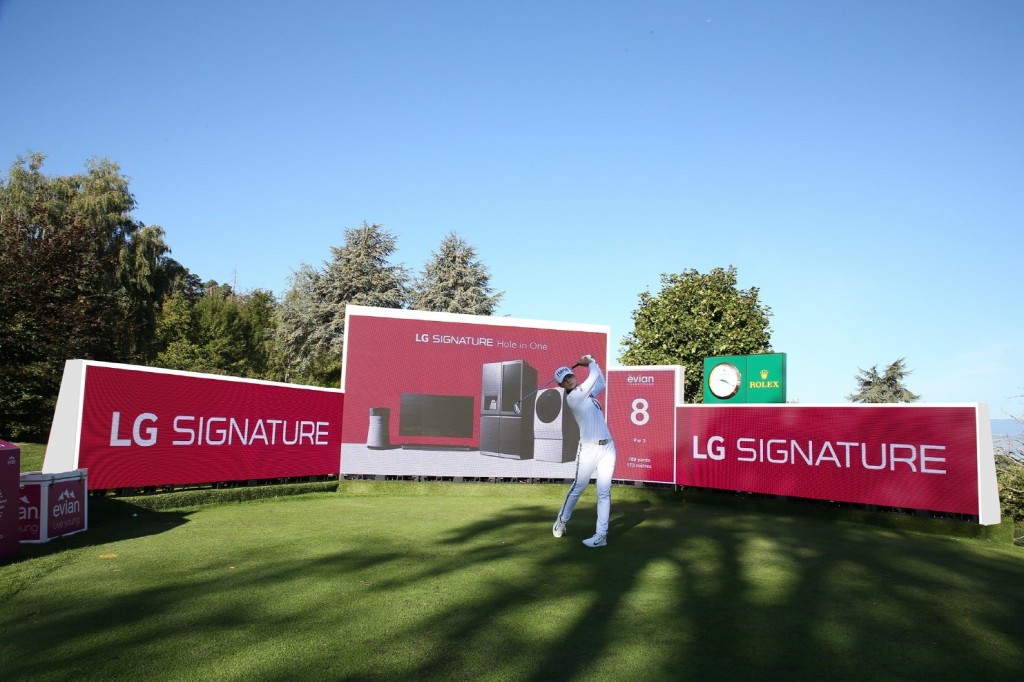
(724,380)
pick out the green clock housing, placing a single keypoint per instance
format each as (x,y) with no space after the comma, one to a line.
(735,379)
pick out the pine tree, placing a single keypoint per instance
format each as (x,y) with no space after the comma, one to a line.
(883,388)
(311,324)
(455,281)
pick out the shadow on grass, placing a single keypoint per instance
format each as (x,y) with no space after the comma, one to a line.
(753,597)
(110,520)
(682,592)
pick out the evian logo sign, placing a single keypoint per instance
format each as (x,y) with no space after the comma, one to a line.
(30,526)
(640,379)
(29,510)
(67,503)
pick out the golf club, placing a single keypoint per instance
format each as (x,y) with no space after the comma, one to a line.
(517,408)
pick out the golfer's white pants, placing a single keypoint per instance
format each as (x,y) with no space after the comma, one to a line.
(592,458)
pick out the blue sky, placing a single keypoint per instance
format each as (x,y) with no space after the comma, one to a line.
(860,162)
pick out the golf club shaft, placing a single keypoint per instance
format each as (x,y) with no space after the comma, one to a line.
(542,387)
(534,392)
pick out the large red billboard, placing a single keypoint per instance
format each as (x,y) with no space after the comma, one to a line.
(437,394)
(137,427)
(917,457)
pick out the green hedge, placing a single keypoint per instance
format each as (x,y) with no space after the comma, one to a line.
(1010,475)
(187,499)
(554,493)
(195,498)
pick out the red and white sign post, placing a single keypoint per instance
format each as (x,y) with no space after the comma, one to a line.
(642,419)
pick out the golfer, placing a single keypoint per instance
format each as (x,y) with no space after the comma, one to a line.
(596,451)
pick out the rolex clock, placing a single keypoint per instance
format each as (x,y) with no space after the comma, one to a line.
(734,379)
(724,380)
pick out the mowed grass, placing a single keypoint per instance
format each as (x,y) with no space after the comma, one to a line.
(32,456)
(468,583)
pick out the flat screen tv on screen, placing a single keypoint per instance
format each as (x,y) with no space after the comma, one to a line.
(423,414)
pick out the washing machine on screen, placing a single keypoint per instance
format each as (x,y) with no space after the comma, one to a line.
(556,435)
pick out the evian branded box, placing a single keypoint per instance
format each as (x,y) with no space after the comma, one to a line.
(10,469)
(53,505)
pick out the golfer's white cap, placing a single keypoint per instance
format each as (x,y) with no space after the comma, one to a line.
(561,373)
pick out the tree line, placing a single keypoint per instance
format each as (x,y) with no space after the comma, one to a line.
(80,278)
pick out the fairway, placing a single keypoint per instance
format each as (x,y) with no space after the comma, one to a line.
(470,584)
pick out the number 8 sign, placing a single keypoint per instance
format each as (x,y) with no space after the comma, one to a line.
(642,418)
(640,415)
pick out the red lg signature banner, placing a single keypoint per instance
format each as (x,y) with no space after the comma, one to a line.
(917,457)
(144,427)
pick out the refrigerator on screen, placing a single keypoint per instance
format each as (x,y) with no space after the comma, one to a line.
(504,431)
